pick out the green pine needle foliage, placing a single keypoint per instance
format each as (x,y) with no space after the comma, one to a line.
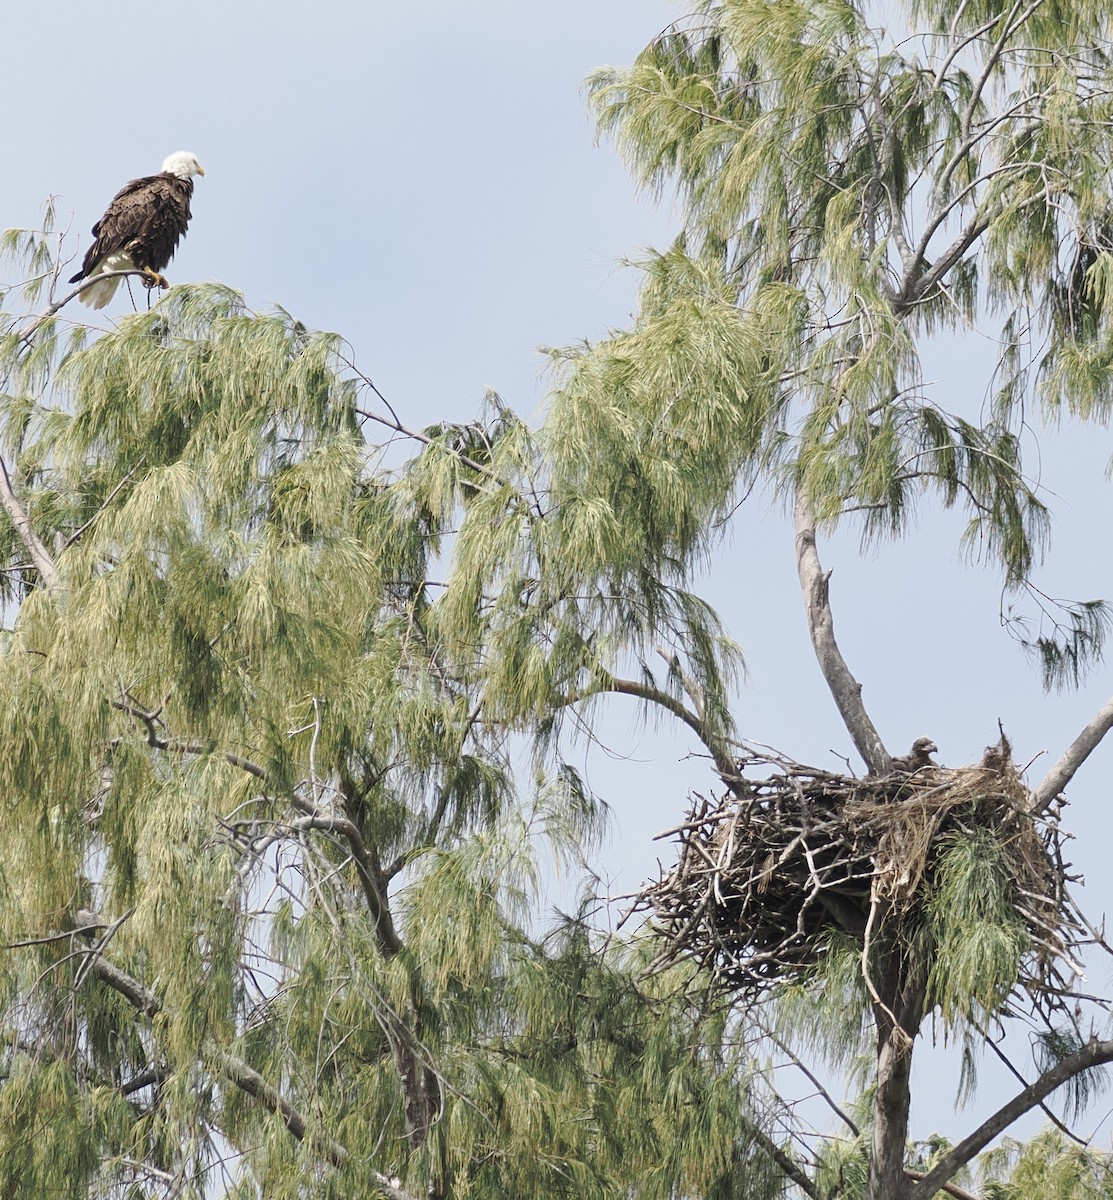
(281,745)
(979,937)
(309,792)
(1047,1165)
(937,177)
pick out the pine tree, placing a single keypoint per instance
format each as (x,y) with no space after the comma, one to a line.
(268,886)
(281,709)
(852,191)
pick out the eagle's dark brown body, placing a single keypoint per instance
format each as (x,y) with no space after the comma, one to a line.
(917,758)
(145,221)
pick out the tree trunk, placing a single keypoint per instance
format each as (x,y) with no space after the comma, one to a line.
(899,980)
(422,1099)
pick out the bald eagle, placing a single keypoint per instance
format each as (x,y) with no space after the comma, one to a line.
(140,229)
(919,756)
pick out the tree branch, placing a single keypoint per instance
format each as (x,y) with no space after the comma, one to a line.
(1093,1054)
(786,1162)
(44,564)
(812,1079)
(103,508)
(917,287)
(367,868)
(1073,757)
(139,997)
(370,876)
(38,321)
(845,689)
(144,1079)
(950,1188)
(724,762)
(1009,1066)
(177,746)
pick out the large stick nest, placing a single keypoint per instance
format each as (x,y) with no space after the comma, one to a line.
(766,874)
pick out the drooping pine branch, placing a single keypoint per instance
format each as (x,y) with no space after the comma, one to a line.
(724,762)
(234,1070)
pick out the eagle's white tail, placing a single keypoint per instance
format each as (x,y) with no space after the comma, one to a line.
(99,294)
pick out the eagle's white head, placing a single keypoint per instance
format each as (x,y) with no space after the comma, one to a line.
(183,164)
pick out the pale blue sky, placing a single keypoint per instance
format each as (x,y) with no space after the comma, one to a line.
(423,179)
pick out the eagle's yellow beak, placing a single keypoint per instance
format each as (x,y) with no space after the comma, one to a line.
(200,169)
